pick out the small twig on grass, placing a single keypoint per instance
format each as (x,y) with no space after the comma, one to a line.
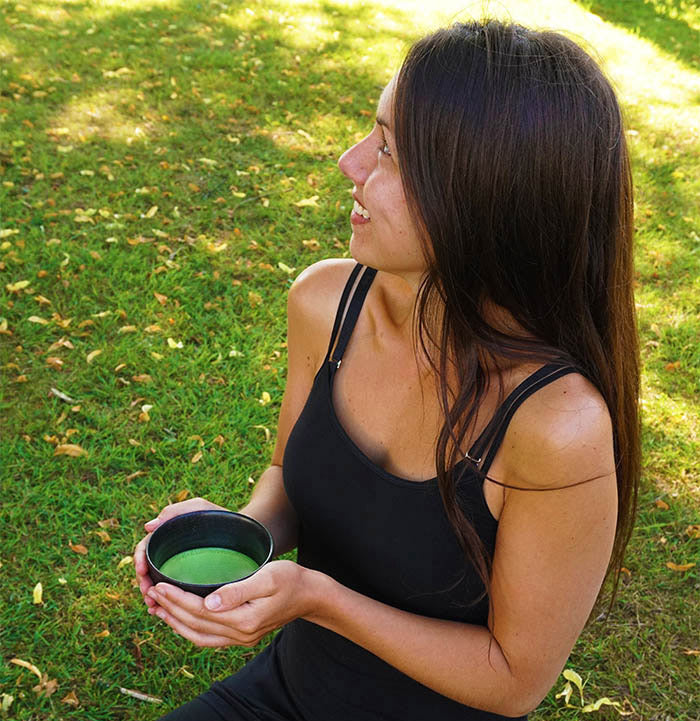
(140,696)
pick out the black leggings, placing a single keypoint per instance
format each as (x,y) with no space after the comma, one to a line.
(255,693)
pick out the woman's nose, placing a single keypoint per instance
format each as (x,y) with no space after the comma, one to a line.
(355,163)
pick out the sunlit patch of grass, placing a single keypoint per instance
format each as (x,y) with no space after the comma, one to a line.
(108,115)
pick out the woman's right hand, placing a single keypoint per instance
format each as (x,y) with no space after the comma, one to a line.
(174,509)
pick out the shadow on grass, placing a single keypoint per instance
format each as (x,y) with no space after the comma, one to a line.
(660,21)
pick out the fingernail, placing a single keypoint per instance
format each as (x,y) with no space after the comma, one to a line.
(148,523)
(213,602)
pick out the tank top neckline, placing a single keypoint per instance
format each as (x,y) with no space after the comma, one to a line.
(496,426)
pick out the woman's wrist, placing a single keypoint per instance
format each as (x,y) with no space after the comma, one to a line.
(320,596)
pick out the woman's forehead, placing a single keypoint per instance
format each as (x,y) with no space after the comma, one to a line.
(384,106)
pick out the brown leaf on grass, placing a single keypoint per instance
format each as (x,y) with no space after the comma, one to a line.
(37,594)
(92,355)
(54,362)
(680,567)
(135,474)
(109,522)
(691,651)
(78,548)
(254,298)
(181,495)
(142,378)
(70,449)
(71,699)
(661,504)
(46,687)
(153,328)
(102,634)
(312,244)
(104,536)
(125,562)
(673,366)
(197,457)
(219,440)
(693,531)
(128,329)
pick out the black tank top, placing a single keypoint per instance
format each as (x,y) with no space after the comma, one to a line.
(386,537)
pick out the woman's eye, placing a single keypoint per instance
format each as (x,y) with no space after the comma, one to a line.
(384,148)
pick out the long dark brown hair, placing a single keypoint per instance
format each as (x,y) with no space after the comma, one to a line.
(520,181)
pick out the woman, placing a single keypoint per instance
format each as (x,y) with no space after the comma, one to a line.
(457,452)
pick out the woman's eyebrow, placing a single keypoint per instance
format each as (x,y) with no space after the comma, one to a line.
(382,122)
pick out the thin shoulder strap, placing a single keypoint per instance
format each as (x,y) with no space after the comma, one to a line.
(341,307)
(354,308)
(492,436)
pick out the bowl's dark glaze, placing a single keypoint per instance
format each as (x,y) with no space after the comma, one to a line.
(198,529)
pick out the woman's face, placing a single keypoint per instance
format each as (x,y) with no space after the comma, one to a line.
(383,233)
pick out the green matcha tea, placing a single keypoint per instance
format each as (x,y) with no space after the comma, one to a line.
(209,565)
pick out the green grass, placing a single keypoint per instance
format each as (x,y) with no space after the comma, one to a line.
(108,109)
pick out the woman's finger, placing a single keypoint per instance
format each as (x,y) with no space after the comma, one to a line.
(196,637)
(189,610)
(177,509)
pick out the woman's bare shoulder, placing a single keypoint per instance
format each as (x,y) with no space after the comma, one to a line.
(313,300)
(561,435)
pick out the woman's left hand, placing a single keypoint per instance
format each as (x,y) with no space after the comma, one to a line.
(240,613)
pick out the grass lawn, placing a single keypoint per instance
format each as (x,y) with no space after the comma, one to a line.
(167,167)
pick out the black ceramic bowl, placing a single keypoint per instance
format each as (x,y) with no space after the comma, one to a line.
(199,529)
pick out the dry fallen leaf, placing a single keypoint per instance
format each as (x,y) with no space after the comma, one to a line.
(181,495)
(102,634)
(37,319)
(172,343)
(679,566)
(151,211)
(142,378)
(108,523)
(125,562)
(62,396)
(70,449)
(37,595)
(162,299)
(197,457)
(6,702)
(128,329)
(104,536)
(693,531)
(16,287)
(691,651)
(312,244)
(46,687)
(92,355)
(254,298)
(27,665)
(308,202)
(78,548)
(661,504)
(265,398)
(71,699)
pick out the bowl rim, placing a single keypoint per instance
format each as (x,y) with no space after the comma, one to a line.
(216,511)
